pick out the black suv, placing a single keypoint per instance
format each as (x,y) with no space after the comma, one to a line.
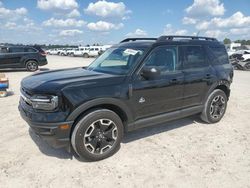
(137,83)
(22,57)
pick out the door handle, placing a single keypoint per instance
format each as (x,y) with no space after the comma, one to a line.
(208,76)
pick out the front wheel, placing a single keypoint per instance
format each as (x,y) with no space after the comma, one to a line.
(97,135)
(215,107)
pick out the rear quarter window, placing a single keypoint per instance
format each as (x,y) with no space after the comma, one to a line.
(219,55)
(30,50)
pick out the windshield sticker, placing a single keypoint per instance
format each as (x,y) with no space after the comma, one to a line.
(131,52)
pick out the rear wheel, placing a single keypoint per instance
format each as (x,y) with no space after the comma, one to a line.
(32,66)
(215,107)
(97,135)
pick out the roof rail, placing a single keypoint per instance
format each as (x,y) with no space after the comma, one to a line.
(135,39)
(172,37)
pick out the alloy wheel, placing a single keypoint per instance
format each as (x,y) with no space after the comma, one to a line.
(217,107)
(100,136)
(32,66)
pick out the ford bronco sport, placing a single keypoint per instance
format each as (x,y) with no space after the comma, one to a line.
(137,83)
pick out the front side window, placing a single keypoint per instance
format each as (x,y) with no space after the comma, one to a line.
(193,57)
(117,60)
(164,58)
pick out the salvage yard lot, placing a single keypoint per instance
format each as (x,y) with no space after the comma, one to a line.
(183,153)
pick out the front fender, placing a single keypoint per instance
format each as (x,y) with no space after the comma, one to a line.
(97,102)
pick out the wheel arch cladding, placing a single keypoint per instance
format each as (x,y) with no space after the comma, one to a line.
(111,104)
(27,60)
(225,89)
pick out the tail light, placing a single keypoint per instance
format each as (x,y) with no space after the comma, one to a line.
(43,53)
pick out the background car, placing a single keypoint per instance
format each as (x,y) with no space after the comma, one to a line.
(22,57)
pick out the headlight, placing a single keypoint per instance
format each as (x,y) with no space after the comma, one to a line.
(44,102)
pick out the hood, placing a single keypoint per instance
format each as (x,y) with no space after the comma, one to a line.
(54,81)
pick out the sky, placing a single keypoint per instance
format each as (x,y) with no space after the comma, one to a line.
(84,22)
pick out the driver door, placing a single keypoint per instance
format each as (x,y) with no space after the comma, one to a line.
(165,92)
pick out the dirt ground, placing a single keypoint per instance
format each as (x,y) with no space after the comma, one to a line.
(184,153)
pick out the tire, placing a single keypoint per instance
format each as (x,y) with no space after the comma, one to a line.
(86,55)
(215,107)
(247,66)
(97,135)
(31,66)
(3,93)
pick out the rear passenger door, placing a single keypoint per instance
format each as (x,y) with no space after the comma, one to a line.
(198,74)
(14,56)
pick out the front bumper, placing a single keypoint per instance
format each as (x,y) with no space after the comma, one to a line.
(50,132)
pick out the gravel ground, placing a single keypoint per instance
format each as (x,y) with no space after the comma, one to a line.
(183,153)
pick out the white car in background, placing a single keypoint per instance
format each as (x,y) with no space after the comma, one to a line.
(71,52)
(52,52)
(245,55)
(83,51)
(94,51)
(64,51)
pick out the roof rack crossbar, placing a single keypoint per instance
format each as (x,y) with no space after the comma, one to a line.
(172,37)
(135,39)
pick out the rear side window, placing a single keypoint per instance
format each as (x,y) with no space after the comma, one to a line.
(219,55)
(16,50)
(193,57)
(29,50)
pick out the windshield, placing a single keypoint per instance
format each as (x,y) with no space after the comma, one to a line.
(116,60)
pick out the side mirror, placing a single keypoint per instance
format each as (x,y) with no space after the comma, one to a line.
(150,73)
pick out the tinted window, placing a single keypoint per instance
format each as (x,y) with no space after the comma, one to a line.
(29,50)
(220,55)
(117,60)
(96,49)
(164,58)
(16,49)
(193,57)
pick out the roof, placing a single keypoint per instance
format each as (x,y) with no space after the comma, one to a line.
(136,44)
(147,42)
